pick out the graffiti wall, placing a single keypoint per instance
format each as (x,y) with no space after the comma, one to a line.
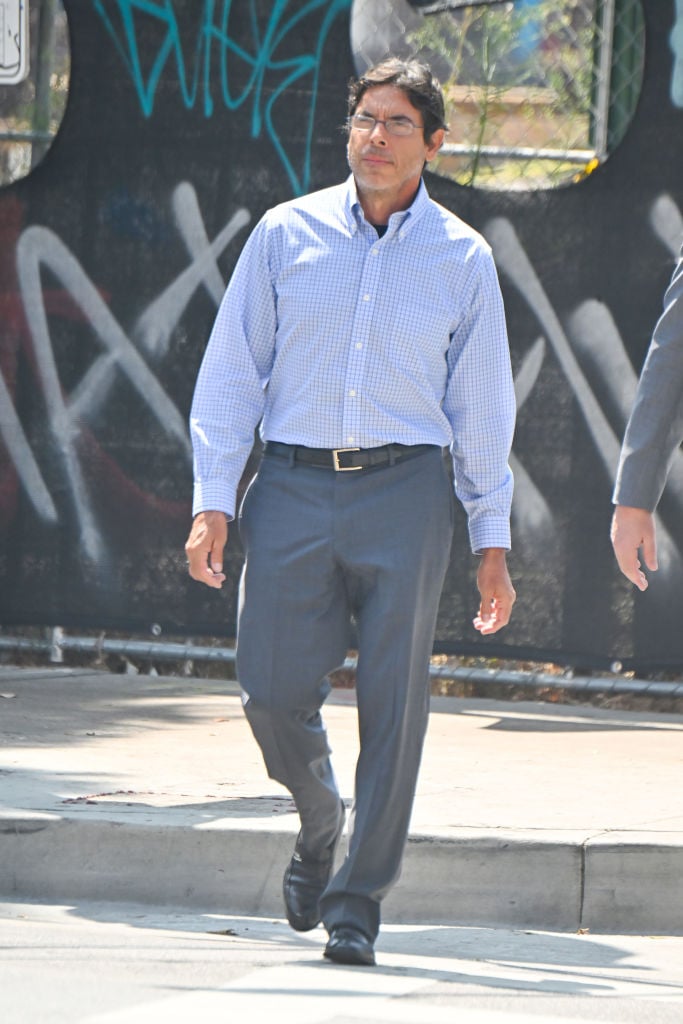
(184,122)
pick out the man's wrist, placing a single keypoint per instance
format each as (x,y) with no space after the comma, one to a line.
(213,512)
(492,554)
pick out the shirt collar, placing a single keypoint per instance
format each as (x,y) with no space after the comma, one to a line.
(402,220)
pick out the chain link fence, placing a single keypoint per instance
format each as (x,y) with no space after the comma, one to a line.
(34,42)
(539,91)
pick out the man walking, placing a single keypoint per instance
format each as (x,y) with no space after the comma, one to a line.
(363,329)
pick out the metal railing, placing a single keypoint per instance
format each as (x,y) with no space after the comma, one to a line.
(59,642)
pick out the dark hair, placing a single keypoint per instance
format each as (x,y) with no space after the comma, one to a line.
(415,79)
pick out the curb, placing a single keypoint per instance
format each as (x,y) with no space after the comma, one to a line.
(603,885)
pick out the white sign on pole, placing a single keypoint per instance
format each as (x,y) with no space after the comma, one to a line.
(14,62)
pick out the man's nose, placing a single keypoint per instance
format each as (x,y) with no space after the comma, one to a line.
(378,135)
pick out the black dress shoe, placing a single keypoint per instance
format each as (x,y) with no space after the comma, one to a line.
(349,946)
(305,881)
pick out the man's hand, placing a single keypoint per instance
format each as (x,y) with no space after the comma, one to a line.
(204,548)
(496,590)
(634,528)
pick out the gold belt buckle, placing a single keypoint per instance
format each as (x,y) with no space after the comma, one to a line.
(335,460)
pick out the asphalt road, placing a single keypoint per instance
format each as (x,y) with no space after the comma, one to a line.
(99,963)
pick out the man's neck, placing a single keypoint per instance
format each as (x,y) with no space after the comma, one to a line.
(379,206)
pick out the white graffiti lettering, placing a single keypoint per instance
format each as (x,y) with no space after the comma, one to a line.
(592,335)
(587,347)
(39,249)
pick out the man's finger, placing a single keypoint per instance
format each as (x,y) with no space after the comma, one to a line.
(629,563)
(649,551)
(494,613)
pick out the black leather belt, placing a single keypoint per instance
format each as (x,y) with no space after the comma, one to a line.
(344,460)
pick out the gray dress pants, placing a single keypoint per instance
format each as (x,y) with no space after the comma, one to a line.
(323,549)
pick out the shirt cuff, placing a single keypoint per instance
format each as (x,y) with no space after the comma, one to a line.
(489,532)
(214,496)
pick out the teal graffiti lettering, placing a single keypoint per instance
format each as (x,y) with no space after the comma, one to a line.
(267,80)
(676,40)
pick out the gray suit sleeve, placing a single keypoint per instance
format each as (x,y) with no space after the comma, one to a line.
(655,427)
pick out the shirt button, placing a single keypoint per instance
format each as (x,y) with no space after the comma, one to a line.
(359,344)
(349,440)
(366,298)
(352,392)
(375,252)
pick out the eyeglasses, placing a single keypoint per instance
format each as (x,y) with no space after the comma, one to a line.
(399,125)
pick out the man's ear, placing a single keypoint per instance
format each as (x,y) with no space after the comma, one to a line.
(435,144)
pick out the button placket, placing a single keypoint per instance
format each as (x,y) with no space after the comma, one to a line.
(360,334)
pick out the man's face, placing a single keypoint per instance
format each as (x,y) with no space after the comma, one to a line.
(382,162)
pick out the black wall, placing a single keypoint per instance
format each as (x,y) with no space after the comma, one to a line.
(114,252)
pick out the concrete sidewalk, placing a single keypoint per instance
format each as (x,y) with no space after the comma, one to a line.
(152,789)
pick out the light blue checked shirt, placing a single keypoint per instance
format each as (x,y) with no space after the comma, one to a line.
(331,337)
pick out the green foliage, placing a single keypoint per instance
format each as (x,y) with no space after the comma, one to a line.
(487,51)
